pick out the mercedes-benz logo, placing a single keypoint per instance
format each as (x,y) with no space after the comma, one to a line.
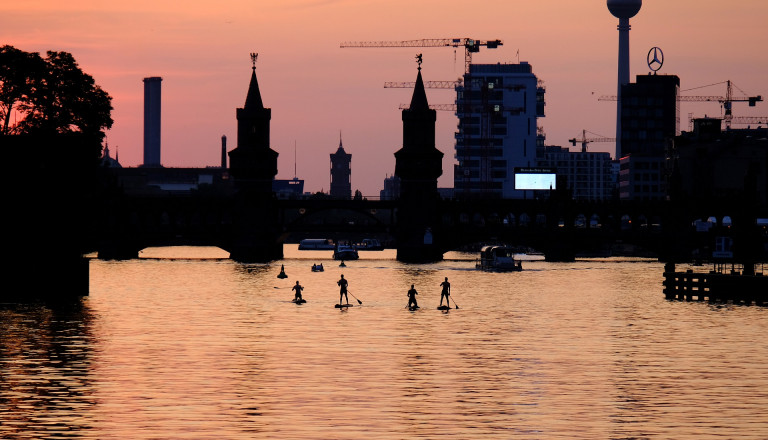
(655,59)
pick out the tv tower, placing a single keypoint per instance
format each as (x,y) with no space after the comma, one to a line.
(623,10)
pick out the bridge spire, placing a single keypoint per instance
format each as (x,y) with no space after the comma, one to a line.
(253,98)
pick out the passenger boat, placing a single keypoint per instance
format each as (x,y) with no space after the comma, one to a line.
(499,259)
(316,244)
(344,252)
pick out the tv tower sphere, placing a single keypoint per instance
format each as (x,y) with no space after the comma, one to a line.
(624,8)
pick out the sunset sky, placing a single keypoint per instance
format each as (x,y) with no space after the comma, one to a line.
(317,90)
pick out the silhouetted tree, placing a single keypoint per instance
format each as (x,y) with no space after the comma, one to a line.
(50,95)
(19,75)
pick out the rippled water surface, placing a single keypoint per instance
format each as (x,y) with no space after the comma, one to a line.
(208,348)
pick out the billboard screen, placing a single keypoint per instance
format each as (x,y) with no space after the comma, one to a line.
(535,178)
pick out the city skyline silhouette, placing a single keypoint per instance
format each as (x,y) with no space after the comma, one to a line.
(316,89)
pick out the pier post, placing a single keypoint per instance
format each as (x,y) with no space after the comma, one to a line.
(669,280)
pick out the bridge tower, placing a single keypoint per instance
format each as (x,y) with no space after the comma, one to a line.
(418,165)
(253,165)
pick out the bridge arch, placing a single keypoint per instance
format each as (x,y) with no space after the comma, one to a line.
(626,222)
(580,221)
(594,222)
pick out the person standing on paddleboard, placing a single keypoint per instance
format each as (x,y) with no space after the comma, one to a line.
(343,290)
(412,298)
(298,288)
(446,292)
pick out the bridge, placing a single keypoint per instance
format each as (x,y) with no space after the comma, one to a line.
(559,228)
(70,210)
(67,206)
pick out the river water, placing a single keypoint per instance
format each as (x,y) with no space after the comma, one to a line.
(185,344)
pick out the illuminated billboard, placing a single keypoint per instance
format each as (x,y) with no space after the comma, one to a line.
(535,178)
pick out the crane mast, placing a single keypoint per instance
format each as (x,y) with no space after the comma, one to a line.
(585,140)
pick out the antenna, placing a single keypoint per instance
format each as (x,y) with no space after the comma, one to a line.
(294,159)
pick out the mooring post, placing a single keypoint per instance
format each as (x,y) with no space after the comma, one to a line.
(669,280)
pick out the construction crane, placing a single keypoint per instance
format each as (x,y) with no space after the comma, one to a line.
(427,84)
(438,107)
(585,140)
(471,108)
(470,45)
(727,100)
(750,120)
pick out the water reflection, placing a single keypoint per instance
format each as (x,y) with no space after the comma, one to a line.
(210,348)
(45,370)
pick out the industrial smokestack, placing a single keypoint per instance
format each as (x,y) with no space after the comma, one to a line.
(152,121)
(224,151)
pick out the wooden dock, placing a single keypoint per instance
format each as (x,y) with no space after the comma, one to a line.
(716,286)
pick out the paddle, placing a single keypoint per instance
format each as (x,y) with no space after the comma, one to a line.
(454,302)
(353,296)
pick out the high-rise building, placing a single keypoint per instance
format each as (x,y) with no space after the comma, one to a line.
(587,175)
(720,168)
(650,119)
(341,186)
(152,121)
(391,189)
(498,107)
(650,114)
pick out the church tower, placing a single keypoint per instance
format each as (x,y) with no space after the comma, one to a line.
(418,165)
(253,163)
(341,187)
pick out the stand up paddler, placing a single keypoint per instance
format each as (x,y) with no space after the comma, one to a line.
(445,293)
(412,304)
(298,288)
(343,290)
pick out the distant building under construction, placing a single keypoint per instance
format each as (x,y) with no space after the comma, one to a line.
(498,106)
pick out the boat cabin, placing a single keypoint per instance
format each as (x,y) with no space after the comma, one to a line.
(315,244)
(498,258)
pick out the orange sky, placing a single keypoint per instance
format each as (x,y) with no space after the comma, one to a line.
(317,90)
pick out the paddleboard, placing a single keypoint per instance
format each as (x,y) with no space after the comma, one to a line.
(340,306)
(301,301)
(443,308)
(412,308)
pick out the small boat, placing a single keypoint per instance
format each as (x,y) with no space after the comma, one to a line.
(316,244)
(369,244)
(498,259)
(343,252)
(317,267)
